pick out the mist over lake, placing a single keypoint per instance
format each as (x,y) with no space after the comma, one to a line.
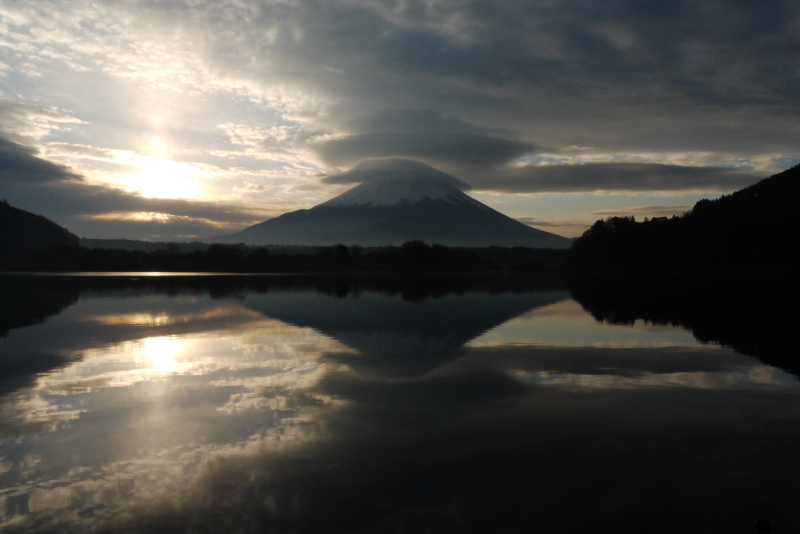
(136,403)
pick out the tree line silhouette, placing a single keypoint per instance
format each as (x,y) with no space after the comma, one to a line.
(753,228)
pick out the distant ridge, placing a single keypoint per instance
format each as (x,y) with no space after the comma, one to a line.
(145,246)
(24,235)
(423,205)
(757,226)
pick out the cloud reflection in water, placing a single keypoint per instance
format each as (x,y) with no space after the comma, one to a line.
(304,411)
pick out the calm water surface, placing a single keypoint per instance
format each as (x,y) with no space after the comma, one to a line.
(298,404)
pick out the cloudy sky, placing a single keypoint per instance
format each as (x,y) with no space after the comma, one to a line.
(164,119)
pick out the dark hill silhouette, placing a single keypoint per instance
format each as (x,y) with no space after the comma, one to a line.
(24,235)
(755,227)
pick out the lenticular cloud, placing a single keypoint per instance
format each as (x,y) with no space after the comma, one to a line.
(393,169)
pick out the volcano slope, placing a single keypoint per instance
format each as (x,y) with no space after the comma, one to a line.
(407,202)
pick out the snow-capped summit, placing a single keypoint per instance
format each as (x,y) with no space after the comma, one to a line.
(399,192)
(396,201)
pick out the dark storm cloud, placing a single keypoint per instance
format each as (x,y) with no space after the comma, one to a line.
(392,169)
(20,163)
(589,177)
(413,121)
(617,74)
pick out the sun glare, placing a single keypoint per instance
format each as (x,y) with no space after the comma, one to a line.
(165,179)
(160,352)
(157,146)
(160,177)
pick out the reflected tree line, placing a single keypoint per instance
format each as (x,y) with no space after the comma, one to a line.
(412,256)
(753,316)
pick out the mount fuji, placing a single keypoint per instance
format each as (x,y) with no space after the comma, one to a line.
(396,201)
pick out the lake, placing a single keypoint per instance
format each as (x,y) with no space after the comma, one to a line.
(146,403)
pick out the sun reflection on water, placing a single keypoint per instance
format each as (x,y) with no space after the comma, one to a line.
(160,353)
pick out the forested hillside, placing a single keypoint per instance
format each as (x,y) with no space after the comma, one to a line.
(755,227)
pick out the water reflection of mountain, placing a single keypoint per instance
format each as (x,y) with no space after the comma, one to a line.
(753,317)
(396,336)
(26,301)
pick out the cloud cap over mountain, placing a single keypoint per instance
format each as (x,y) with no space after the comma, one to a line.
(393,169)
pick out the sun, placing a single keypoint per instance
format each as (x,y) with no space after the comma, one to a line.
(158,176)
(162,178)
